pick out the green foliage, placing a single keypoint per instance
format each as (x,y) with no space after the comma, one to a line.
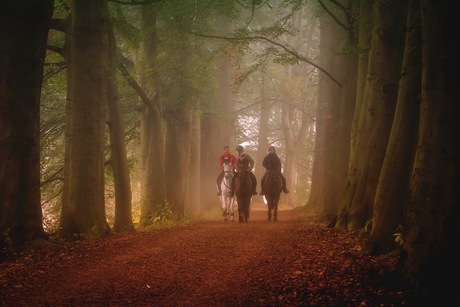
(162,218)
(162,213)
(354,50)
(52,131)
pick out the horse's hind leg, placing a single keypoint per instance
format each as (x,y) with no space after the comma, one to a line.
(269,213)
(275,213)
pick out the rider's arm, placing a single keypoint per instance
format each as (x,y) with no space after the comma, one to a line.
(250,162)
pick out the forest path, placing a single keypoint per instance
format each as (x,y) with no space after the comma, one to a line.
(210,263)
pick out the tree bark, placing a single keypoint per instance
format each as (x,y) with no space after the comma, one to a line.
(152,125)
(23,35)
(431,231)
(217,120)
(376,115)
(263,137)
(397,166)
(88,100)
(123,221)
(329,96)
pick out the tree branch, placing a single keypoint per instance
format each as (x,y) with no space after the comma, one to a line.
(133,83)
(286,49)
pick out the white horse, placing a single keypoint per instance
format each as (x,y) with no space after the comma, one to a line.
(227,201)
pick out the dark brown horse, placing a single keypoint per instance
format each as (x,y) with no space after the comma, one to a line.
(273,188)
(243,193)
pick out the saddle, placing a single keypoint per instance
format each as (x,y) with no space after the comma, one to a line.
(277,175)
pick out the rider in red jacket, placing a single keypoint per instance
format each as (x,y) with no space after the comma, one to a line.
(226,158)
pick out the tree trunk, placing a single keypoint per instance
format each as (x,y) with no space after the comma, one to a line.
(329,96)
(431,231)
(217,122)
(88,97)
(265,111)
(179,109)
(118,160)
(152,140)
(376,117)
(193,204)
(178,146)
(23,35)
(295,110)
(399,157)
(364,37)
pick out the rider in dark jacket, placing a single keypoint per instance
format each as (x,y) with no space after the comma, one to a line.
(272,163)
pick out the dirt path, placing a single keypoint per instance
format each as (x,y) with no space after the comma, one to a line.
(209,263)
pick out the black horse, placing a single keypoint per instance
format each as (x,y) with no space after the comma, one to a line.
(273,188)
(243,193)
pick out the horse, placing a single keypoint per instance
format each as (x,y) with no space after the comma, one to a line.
(225,186)
(273,188)
(243,194)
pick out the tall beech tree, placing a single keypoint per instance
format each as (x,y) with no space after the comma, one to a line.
(376,115)
(23,35)
(118,160)
(399,157)
(332,40)
(83,211)
(431,230)
(152,166)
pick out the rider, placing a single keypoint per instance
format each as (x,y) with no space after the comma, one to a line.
(225,158)
(272,163)
(245,159)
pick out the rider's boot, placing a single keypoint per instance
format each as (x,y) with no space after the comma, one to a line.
(285,190)
(262,190)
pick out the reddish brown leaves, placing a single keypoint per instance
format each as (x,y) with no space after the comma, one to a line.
(211,263)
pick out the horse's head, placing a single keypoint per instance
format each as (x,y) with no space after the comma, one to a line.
(228,170)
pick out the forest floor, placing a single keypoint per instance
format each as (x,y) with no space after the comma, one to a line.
(292,262)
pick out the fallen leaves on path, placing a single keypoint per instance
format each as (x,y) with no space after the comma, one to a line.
(289,263)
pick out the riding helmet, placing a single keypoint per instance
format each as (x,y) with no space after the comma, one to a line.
(239,147)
